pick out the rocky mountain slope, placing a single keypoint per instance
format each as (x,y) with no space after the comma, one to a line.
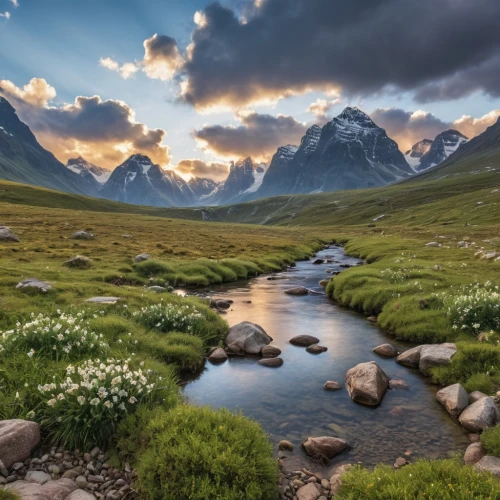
(141,182)
(414,155)
(202,186)
(94,174)
(23,159)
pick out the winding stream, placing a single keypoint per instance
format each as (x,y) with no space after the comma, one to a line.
(290,402)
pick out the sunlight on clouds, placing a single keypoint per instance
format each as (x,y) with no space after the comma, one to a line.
(471,126)
(107,62)
(37,92)
(321,107)
(200,19)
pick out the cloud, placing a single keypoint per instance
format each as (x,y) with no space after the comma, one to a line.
(471,127)
(321,107)
(439,49)
(161,60)
(105,132)
(15,3)
(199,168)
(126,70)
(258,136)
(409,127)
(6,15)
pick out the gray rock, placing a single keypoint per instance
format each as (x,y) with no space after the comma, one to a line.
(304,340)
(7,235)
(479,415)
(271,362)
(52,490)
(324,446)
(80,495)
(156,289)
(270,351)
(454,398)
(34,284)
(298,290)
(79,261)
(81,482)
(476,396)
(218,355)
(83,235)
(35,476)
(103,300)
(336,479)
(410,358)
(330,385)
(220,304)
(489,464)
(397,384)
(251,337)
(386,350)
(142,257)
(308,492)
(427,356)
(316,349)
(474,453)
(366,383)
(18,438)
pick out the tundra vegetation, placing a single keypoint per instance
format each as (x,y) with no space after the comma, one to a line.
(105,374)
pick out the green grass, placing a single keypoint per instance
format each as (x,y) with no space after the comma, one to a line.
(425,479)
(491,441)
(7,495)
(198,453)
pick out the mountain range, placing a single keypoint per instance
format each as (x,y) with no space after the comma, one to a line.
(348,152)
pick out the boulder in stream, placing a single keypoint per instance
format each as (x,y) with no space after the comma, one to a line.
(479,415)
(331,385)
(454,398)
(304,340)
(316,349)
(367,383)
(217,355)
(426,356)
(270,351)
(271,362)
(386,350)
(248,337)
(324,447)
(298,290)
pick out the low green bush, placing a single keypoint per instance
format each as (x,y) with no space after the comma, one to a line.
(198,453)
(425,479)
(7,495)
(491,441)
(482,382)
(151,267)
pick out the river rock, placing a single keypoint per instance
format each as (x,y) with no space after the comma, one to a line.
(372,319)
(52,490)
(316,349)
(271,362)
(426,356)
(336,479)
(476,396)
(330,385)
(251,337)
(298,290)
(474,453)
(220,304)
(489,464)
(79,261)
(386,350)
(324,446)
(142,257)
(18,438)
(479,415)
(454,398)
(366,383)
(323,283)
(82,495)
(285,445)
(37,476)
(83,235)
(308,492)
(34,284)
(304,340)
(7,235)
(270,351)
(397,384)
(218,355)
(318,261)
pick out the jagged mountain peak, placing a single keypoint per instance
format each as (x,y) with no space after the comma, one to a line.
(287,151)
(414,155)
(86,169)
(444,145)
(354,116)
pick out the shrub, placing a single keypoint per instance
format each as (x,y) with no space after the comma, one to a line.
(425,479)
(7,495)
(63,337)
(84,409)
(151,267)
(482,382)
(198,453)
(491,441)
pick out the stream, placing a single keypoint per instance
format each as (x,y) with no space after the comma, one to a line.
(290,403)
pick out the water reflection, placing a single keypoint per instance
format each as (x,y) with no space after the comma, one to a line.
(290,402)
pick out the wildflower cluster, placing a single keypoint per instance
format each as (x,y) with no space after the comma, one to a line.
(474,308)
(89,402)
(62,337)
(171,317)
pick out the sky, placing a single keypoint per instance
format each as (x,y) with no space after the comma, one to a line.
(195,84)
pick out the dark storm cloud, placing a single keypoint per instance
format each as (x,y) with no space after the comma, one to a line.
(199,168)
(259,135)
(443,49)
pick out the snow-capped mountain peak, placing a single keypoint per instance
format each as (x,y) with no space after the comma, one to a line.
(445,144)
(84,168)
(419,149)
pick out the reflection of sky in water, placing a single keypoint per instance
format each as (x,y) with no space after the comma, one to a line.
(290,402)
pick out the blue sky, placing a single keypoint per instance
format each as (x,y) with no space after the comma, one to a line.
(62,41)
